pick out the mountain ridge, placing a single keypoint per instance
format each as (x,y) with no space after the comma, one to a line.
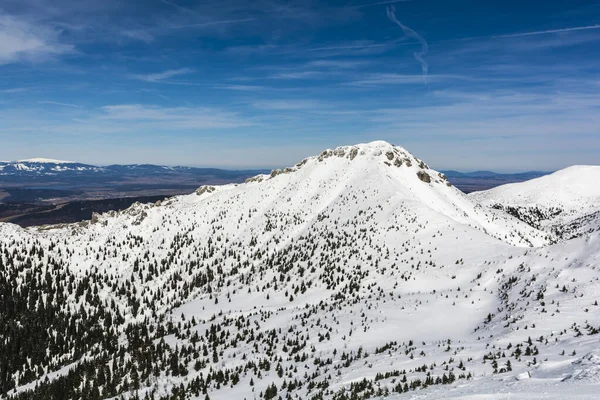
(356,273)
(564,202)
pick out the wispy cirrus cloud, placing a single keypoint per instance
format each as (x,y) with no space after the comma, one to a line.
(57,103)
(14,90)
(549,31)
(287,104)
(556,38)
(173,117)
(161,76)
(149,34)
(296,75)
(386,79)
(338,64)
(21,40)
(378,3)
(240,88)
(317,69)
(350,46)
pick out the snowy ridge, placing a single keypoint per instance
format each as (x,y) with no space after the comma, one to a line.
(358,273)
(45,161)
(565,202)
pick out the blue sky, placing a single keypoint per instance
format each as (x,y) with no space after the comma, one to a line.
(510,85)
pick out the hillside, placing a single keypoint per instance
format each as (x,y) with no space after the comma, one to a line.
(564,203)
(354,274)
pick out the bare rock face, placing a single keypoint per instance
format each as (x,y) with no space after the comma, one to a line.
(204,189)
(254,179)
(353,153)
(424,176)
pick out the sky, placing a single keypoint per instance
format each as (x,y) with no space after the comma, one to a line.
(466,85)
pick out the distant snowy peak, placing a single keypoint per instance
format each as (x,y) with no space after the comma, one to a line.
(46,161)
(44,166)
(565,202)
(39,167)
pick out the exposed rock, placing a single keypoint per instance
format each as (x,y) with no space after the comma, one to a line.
(353,153)
(140,218)
(424,176)
(204,189)
(301,163)
(95,218)
(276,172)
(254,179)
(324,155)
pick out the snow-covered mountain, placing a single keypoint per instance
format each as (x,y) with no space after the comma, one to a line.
(43,166)
(46,161)
(37,167)
(565,203)
(358,273)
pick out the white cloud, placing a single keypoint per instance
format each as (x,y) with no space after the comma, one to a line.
(385,79)
(161,76)
(242,88)
(296,75)
(549,31)
(14,90)
(142,36)
(56,103)
(24,41)
(338,64)
(378,3)
(174,117)
(283,105)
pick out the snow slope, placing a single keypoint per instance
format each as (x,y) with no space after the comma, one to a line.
(360,271)
(565,202)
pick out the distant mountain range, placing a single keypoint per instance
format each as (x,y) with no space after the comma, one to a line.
(53,181)
(41,167)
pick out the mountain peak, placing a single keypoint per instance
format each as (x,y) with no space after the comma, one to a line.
(360,155)
(375,148)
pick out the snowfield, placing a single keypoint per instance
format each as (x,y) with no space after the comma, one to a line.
(358,273)
(565,202)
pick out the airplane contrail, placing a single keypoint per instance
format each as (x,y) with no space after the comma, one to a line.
(378,3)
(391,12)
(576,28)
